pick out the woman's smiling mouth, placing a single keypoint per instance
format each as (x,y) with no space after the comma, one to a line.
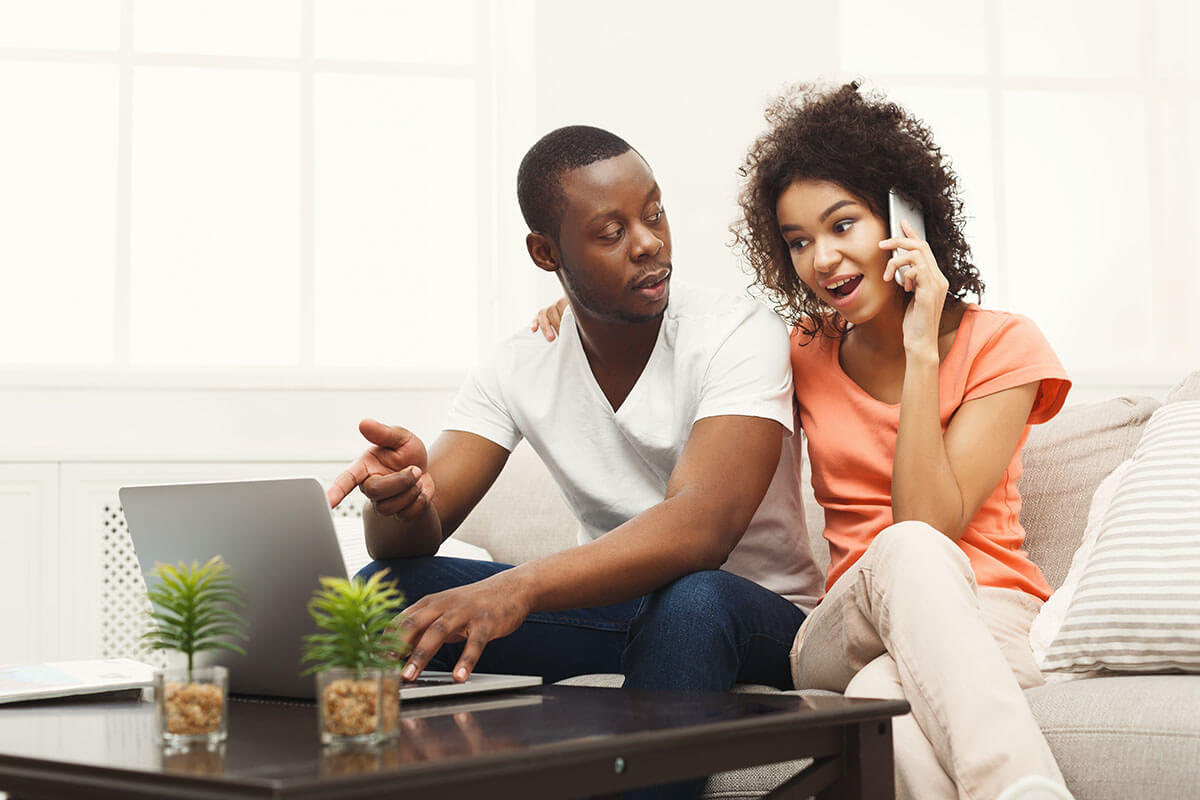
(843,288)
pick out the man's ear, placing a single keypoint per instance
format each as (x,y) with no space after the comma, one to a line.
(543,251)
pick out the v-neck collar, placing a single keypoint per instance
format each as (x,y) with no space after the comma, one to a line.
(575,341)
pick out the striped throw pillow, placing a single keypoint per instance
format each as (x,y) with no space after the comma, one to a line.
(1137,608)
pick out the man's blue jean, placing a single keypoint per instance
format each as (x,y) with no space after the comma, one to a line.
(705,631)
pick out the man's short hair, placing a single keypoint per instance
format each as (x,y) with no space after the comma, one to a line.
(539,179)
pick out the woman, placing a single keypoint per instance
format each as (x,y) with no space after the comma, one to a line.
(915,405)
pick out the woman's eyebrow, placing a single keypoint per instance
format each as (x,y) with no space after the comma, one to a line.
(824,215)
(835,207)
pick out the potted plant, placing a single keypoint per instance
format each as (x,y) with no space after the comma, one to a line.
(192,612)
(356,659)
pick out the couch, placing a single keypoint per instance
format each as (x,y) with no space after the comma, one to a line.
(1117,736)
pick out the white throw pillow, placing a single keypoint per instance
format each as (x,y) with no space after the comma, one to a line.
(457,548)
(1054,611)
(1137,605)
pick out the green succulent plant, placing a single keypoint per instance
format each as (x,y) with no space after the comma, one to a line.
(193,609)
(354,616)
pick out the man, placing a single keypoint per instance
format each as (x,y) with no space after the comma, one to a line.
(661,415)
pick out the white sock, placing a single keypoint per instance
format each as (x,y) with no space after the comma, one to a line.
(1035,787)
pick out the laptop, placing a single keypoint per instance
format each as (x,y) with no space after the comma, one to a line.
(278,537)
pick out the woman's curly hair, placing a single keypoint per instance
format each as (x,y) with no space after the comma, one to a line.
(867,146)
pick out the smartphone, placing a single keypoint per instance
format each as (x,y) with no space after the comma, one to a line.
(901,208)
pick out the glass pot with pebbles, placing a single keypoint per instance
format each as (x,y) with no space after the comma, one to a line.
(193,611)
(356,658)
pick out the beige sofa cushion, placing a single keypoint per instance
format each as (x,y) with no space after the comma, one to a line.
(1121,737)
(1064,461)
(523,516)
(1186,389)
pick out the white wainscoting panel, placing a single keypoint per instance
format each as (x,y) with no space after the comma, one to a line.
(31,588)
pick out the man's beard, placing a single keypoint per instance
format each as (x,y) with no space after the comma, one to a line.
(590,303)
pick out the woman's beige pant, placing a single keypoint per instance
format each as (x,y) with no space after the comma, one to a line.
(907,621)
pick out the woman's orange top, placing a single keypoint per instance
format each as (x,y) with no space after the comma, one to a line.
(852,441)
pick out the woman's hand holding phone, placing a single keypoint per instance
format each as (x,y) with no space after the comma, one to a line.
(901,210)
(922,277)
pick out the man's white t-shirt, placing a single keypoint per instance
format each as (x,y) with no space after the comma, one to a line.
(716,355)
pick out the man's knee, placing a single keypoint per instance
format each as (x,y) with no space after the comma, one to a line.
(700,607)
(708,630)
(707,593)
(686,635)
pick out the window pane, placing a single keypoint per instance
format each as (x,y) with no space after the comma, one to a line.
(885,37)
(1078,224)
(396,222)
(218,27)
(1176,29)
(215,241)
(1175,223)
(396,30)
(65,24)
(58,192)
(1071,38)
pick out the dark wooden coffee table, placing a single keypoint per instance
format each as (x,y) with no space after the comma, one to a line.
(553,742)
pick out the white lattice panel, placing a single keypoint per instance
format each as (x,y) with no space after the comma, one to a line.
(350,507)
(123,601)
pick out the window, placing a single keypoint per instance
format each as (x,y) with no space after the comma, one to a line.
(289,184)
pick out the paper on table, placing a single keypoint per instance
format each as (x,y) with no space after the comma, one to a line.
(65,678)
